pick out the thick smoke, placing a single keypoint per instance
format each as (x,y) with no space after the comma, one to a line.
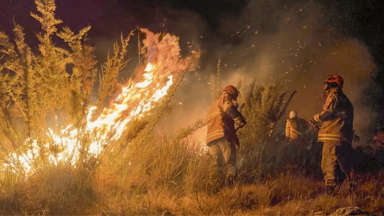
(269,40)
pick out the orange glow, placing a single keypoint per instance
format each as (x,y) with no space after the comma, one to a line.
(135,100)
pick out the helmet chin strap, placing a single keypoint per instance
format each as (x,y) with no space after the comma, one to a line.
(328,85)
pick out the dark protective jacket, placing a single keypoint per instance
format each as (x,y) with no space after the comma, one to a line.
(294,127)
(221,120)
(379,138)
(336,117)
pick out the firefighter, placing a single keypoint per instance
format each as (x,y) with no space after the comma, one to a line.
(378,139)
(294,127)
(336,133)
(223,120)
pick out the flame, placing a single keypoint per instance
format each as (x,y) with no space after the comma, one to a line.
(108,122)
(136,99)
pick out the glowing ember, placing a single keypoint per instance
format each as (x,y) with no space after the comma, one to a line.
(134,101)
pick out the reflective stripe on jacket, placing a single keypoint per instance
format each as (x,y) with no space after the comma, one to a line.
(336,117)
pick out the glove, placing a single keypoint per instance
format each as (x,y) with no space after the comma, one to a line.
(240,122)
(314,123)
(237,128)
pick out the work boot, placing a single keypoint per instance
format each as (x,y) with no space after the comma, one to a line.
(353,182)
(229,181)
(330,189)
(215,187)
(352,188)
(215,182)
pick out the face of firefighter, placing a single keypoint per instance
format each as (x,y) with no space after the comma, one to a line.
(326,86)
(292,114)
(226,95)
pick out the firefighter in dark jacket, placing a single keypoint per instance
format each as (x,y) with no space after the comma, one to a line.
(378,139)
(223,120)
(336,133)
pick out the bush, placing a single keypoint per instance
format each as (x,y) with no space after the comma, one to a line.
(136,171)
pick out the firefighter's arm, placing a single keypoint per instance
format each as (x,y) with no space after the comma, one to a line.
(328,109)
(230,107)
(287,129)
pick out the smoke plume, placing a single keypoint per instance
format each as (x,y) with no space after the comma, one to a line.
(268,40)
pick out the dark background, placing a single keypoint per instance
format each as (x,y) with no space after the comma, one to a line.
(240,32)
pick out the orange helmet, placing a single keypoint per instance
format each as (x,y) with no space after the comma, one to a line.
(231,90)
(335,79)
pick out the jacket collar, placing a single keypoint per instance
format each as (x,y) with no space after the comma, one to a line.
(332,90)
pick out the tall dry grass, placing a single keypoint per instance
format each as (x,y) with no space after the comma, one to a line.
(146,174)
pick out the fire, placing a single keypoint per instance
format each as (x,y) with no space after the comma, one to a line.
(134,101)
(108,121)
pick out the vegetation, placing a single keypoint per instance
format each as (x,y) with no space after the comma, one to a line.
(142,174)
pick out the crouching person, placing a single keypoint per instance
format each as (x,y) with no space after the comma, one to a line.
(223,120)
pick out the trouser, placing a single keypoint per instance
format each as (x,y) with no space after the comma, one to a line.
(223,154)
(337,162)
(294,151)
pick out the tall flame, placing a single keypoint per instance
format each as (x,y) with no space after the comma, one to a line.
(134,101)
(109,121)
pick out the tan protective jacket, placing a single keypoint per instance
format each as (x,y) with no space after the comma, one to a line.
(294,127)
(336,117)
(221,120)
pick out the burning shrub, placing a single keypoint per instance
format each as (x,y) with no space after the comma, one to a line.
(64,156)
(46,119)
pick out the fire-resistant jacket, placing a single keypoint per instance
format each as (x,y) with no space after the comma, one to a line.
(336,117)
(294,127)
(221,120)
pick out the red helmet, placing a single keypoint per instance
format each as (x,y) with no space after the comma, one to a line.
(335,79)
(231,90)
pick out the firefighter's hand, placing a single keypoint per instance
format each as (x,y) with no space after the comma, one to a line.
(238,126)
(314,123)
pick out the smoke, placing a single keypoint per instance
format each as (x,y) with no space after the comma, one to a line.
(298,41)
(301,41)
(271,40)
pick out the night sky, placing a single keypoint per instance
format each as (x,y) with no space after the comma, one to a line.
(221,27)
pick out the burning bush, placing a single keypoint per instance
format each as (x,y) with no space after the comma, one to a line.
(63,155)
(47,121)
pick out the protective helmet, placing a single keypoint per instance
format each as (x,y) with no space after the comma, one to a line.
(231,90)
(335,79)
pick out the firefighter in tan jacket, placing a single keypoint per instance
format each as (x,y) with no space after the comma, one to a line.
(223,120)
(336,133)
(294,127)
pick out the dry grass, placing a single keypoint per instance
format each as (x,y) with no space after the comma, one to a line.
(159,188)
(146,174)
